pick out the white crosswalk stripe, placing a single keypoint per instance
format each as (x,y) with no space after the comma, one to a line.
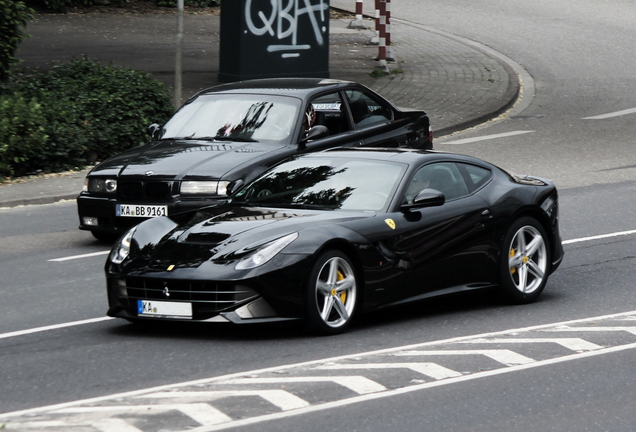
(358,384)
(506,357)
(429,369)
(574,344)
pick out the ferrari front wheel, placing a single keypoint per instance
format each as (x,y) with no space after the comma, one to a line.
(525,261)
(332,293)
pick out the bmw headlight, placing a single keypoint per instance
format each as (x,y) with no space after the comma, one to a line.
(100,185)
(195,187)
(122,249)
(265,253)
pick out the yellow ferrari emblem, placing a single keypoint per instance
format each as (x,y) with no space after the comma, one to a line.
(171,267)
(390,223)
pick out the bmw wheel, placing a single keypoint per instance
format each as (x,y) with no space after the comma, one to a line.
(525,261)
(331,293)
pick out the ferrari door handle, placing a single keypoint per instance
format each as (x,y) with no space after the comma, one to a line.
(486,213)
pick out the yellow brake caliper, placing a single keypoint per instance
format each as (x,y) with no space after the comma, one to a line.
(343,295)
(512,254)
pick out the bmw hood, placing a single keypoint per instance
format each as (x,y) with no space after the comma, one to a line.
(174,159)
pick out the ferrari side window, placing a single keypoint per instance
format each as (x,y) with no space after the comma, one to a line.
(366,110)
(444,177)
(328,112)
(478,176)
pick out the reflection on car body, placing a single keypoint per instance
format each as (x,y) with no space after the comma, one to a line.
(225,136)
(327,235)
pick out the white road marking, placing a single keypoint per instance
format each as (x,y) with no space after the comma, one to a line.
(201,412)
(74,257)
(573,344)
(487,137)
(631,330)
(53,327)
(610,115)
(88,410)
(280,398)
(506,357)
(410,389)
(599,237)
(429,369)
(357,384)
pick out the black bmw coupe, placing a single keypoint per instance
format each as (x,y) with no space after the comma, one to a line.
(325,236)
(227,135)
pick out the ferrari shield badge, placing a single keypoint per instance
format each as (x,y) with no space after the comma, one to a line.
(390,223)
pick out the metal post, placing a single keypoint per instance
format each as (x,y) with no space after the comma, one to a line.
(179,57)
(389,49)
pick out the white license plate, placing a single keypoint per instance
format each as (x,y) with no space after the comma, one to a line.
(133,210)
(173,309)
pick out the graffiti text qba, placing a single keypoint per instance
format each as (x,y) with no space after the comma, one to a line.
(282,19)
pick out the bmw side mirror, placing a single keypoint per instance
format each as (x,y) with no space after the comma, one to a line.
(426,198)
(316,132)
(154,130)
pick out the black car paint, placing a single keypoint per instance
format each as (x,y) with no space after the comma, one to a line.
(168,162)
(430,251)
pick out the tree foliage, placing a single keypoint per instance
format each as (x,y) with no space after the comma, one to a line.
(14,15)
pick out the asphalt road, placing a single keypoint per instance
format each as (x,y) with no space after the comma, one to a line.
(578,56)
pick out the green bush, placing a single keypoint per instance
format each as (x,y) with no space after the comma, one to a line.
(13,16)
(22,135)
(92,111)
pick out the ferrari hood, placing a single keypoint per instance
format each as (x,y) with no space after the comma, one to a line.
(221,233)
(174,159)
(245,224)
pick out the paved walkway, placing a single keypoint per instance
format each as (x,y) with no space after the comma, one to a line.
(456,84)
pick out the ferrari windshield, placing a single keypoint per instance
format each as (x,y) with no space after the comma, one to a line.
(329,184)
(235,117)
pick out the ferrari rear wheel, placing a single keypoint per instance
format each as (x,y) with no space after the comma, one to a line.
(525,261)
(332,293)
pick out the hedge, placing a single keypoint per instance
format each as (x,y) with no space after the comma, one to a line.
(86,110)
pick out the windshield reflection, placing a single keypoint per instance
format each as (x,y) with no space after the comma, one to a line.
(328,184)
(235,117)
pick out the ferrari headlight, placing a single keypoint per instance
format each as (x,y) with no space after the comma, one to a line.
(100,185)
(194,187)
(265,253)
(122,249)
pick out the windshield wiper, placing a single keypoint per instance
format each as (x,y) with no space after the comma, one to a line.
(210,138)
(228,138)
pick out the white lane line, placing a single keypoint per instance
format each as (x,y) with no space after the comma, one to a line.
(74,257)
(52,327)
(487,137)
(610,115)
(599,237)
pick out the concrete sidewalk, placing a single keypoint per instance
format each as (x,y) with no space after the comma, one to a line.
(456,84)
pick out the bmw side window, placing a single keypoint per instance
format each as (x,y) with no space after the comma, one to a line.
(328,111)
(476,176)
(444,177)
(366,110)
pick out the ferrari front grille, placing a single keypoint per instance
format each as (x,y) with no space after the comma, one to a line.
(204,295)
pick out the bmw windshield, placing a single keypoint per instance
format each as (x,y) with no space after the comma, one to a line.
(235,117)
